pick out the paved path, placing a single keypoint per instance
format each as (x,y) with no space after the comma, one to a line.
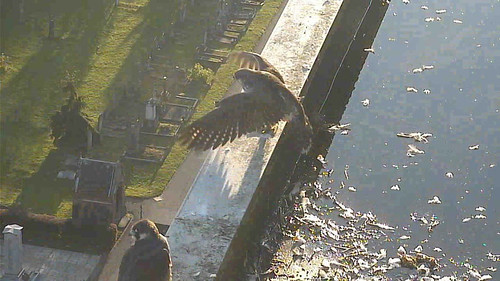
(57,265)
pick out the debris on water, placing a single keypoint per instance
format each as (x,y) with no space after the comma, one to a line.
(346,172)
(365,102)
(423,270)
(427,91)
(427,67)
(369,50)
(439,250)
(479,217)
(417,70)
(158,198)
(352,188)
(322,159)
(196,274)
(418,249)
(382,226)
(418,136)
(492,165)
(449,175)
(442,11)
(492,269)
(458,21)
(406,2)
(474,147)
(414,261)
(395,187)
(344,132)
(466,220)
(493,257)
(429,19)
(480,209)
(411,89)
(461,241)
(434,200)
(213,275)
(339,127)
(401,250)
(413,150)
(423,7)
(404,237)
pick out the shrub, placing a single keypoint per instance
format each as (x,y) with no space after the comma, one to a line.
(60,233)
(200,74)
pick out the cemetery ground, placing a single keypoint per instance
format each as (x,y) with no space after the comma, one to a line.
(101,49)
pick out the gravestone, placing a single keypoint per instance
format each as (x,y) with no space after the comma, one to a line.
(12,249)
(52,26)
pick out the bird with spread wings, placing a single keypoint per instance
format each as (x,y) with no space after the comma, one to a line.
(264,101)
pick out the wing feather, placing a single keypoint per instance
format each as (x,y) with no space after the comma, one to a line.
(256,62)
(235,115)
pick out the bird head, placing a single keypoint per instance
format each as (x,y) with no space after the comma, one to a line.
(143,229)
(247,77)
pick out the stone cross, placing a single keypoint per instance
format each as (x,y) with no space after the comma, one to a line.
(13,249)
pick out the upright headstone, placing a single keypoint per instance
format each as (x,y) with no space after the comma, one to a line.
(12,249)
(89,139)
(52,26)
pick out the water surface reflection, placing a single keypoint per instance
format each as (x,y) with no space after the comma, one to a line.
(462,109)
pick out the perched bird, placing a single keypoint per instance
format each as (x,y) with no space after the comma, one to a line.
(149,257)
(265,101)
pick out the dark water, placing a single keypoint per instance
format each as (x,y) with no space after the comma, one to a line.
(462,109)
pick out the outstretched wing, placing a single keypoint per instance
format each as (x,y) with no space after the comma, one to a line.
(235,115)
(254,61)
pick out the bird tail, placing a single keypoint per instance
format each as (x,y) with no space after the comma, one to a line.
(302,135)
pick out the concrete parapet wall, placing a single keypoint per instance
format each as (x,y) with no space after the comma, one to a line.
(218,199)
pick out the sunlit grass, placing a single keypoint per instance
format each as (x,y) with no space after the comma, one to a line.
(93,52)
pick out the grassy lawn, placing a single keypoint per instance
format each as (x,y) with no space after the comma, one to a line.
(94,50)
(100,52)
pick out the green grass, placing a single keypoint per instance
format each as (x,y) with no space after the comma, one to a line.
(98,53)
(102,58)
(31,86)
(222,80)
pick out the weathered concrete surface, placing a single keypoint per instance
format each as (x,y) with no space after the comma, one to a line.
(207,221)
(57,265)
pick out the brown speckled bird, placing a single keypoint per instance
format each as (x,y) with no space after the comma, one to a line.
(265,101)
(149,256)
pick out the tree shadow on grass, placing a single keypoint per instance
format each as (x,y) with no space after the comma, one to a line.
(34,93)
(43,192)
